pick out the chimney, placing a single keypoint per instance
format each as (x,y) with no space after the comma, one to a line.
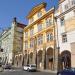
(14,19)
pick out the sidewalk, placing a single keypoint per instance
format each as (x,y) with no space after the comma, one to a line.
(48,71)
(17,67)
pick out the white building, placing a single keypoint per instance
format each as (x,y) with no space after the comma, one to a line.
(6,45)
(11,41)
(66,32)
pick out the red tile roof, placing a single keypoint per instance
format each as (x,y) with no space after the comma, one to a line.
(21,25)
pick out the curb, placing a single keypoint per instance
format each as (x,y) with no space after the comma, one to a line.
(49,71)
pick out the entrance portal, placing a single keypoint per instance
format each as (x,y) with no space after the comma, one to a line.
(66,59)
(49,58)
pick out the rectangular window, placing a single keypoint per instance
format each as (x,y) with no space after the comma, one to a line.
(40,40)
(31,32)
(39,27)
(64,38)
(49,37)
(26,44)
(26,34)
(49,22)
(39,14)
(31,43)
(62,21)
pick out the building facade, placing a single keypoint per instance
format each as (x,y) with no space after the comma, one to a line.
(6,45)
(39,38)
(65,19)
(17,29)
(11,43)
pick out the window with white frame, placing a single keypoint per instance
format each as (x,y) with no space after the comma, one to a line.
(64,38)
(62,21)
(39,27)
(26,44)
(40,40)
(26,34)
(31,43)
(66,6)
(73,2)
(49,22)
(31,32)
(39,14)
(49,37)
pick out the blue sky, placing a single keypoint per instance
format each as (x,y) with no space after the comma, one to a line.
(19,9)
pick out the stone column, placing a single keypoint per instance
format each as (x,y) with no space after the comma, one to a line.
(35,51)
(44,57)
(56,63)
(72,54)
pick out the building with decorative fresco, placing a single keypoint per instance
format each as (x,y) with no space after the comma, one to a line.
(39,38)
(65,22)
(11,42)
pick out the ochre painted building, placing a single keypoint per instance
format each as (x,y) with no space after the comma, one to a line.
(39,38)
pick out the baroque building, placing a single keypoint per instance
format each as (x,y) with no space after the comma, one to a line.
(39,38)
(65,22)
(11,42)
(6,45)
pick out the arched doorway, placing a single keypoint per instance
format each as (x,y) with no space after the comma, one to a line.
(20,60)
(16,60)
(31,58)
(66,59)
(49,58)
(25,58)
(39,59)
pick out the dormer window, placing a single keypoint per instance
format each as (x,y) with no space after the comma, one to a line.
(39,14)
(31,32)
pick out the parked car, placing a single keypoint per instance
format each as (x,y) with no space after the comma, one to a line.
(30,67)
(69,71)
(1,68)
(7,66)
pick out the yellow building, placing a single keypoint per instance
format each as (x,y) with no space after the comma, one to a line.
(39,38)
